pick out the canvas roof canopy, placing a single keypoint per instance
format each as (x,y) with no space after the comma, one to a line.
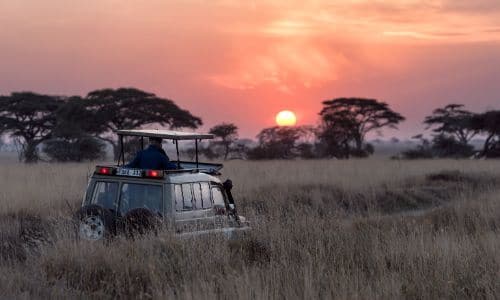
(166,134)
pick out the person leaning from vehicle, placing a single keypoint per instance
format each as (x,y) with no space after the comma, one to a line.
(153,157)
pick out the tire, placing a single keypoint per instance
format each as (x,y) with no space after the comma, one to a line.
(140,221)
(95,223)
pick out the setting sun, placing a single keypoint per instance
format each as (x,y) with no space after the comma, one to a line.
(286,118)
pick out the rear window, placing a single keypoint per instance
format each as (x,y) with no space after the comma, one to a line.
(147,196)
(105,194)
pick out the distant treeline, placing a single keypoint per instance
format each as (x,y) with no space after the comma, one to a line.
(77,128)
(345,123)
(454,128)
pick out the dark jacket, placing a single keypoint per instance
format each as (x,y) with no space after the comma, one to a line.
(153,158)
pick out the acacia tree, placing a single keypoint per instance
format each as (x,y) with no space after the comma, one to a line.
(73,135)
(29,118)
(453,120)
(278,143)
(488,123)
(335,135)
(347,121)
(227,134)
(127,108)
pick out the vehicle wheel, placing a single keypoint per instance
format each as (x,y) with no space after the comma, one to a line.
(140,221)
(95,223)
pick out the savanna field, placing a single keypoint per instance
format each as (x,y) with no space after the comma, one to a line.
(366,229)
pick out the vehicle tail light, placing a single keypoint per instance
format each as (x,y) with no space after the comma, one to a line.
(104,170)
(154,173)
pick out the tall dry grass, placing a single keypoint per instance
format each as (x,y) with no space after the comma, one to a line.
(321,229)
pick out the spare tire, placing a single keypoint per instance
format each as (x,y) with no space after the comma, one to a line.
(139,221)
(95,223)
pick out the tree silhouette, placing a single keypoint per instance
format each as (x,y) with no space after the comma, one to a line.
(278,143)
(347,121)
(448,146)
(30,119)
(335,136)
(227,134)
(453,120)
(73,135)
(128,108)
(488,123)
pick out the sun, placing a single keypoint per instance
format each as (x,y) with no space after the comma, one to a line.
(286,118)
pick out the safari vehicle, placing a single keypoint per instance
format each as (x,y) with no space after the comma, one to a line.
(191,198)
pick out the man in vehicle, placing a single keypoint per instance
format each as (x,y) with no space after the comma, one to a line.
(153,157)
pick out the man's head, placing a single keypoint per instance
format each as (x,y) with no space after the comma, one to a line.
(156,141)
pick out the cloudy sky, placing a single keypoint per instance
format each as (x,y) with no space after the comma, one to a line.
(243,61)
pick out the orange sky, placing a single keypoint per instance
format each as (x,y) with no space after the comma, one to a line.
(244,61)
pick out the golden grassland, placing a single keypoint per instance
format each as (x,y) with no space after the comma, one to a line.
(321,229)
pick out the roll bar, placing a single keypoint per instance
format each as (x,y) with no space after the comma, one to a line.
(175,136)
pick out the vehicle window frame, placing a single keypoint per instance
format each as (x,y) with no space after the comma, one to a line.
(162,204)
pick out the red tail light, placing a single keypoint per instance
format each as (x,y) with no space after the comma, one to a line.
(154,173)
(104,170)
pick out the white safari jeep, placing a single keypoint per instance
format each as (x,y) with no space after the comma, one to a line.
(190,199)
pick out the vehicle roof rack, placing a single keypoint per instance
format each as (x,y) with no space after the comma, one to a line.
(166,134)
(176,136)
